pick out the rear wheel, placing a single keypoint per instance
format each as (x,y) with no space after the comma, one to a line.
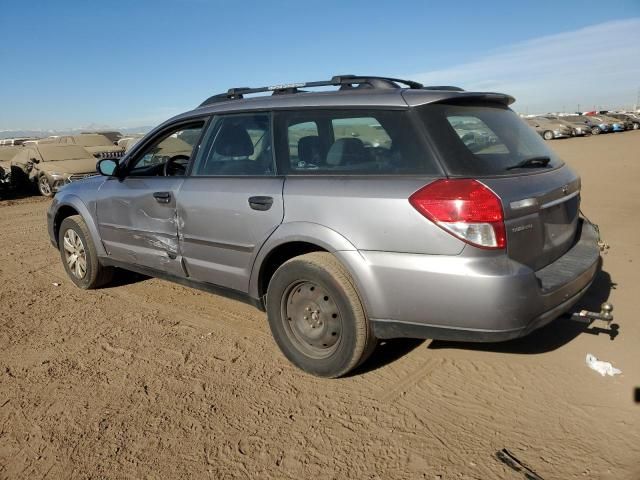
(44,187)
(79,255)
(596,131)
(316,316)
(636,126)
(548,135)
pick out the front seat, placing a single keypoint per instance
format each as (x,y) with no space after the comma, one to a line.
(347,151)
(232,150)
(310,150)
(233,141)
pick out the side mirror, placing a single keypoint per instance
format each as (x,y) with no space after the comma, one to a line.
(107,166)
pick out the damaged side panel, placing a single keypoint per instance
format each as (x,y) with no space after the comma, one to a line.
(138,228)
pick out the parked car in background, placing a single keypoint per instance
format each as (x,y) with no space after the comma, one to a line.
(128,142)
(631,122)
(579,129)
(614,124)
(403,211)
(50,166)
(95,143)
(15,141)
(597,127)
(549,129)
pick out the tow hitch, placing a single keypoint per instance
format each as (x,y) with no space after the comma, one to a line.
(585,316)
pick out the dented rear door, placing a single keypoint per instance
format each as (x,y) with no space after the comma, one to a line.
(138,222)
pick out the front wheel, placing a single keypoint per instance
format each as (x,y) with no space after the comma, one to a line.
(596,131)
(316,316)
(79,255)
(636,126)
(548,135)
(44,187)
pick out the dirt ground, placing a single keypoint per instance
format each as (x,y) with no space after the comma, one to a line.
(151,380)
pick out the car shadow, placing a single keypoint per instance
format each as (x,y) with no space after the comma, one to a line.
(122,278)
(557,333)
(387,351)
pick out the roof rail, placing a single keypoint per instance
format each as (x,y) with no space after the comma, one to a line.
(344,81)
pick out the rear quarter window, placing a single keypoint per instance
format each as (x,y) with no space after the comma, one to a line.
(351,142)
(483,139)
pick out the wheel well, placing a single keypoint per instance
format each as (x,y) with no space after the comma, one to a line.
(278,256)
(62,213)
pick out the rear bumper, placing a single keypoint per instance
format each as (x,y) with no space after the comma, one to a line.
(482,299)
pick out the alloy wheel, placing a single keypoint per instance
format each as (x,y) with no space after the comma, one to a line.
(75,254)
(45,188)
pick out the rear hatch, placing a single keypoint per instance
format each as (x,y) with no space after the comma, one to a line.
(540,195)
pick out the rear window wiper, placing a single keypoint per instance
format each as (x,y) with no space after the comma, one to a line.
(532,162)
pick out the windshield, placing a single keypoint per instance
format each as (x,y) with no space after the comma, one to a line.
(484,139)
(93,140)
(54,153)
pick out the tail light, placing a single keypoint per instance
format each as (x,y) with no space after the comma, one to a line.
(465,208)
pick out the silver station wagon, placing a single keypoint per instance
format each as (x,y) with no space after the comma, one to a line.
(380,208)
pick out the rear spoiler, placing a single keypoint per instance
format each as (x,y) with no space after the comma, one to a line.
(414,97)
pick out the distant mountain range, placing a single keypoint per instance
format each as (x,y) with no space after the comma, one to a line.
(72,131)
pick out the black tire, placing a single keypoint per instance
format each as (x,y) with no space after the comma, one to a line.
(548,135)
(596,131)
(95,275)
(340,315)
(44,186)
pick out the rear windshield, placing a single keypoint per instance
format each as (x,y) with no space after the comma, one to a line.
(351,142)
(484,139)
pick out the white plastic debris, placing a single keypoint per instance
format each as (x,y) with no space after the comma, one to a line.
(56,284)
(603,368)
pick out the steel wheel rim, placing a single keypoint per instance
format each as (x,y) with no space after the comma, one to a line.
(45,188)
(75,254)
(311,319)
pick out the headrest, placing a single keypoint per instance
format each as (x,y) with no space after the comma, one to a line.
(347,151)
(234,141)
(309,149)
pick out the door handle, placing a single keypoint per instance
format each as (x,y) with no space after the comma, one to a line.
(162,197)
(260,203)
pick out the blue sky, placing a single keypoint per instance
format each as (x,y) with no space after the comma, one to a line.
(129,63)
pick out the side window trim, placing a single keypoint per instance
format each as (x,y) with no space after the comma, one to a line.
(141,147)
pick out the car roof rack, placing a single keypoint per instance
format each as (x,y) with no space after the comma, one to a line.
(345,82)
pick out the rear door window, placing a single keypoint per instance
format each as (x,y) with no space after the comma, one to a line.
(359,142)
(485,139)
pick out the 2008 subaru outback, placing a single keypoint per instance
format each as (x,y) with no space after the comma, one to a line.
(381,209)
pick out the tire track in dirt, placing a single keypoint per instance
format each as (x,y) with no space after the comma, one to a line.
(127,382)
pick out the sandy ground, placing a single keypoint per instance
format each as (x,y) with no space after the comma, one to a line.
(151,380)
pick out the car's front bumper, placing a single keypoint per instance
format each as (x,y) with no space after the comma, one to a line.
(59,180)
(475,299)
